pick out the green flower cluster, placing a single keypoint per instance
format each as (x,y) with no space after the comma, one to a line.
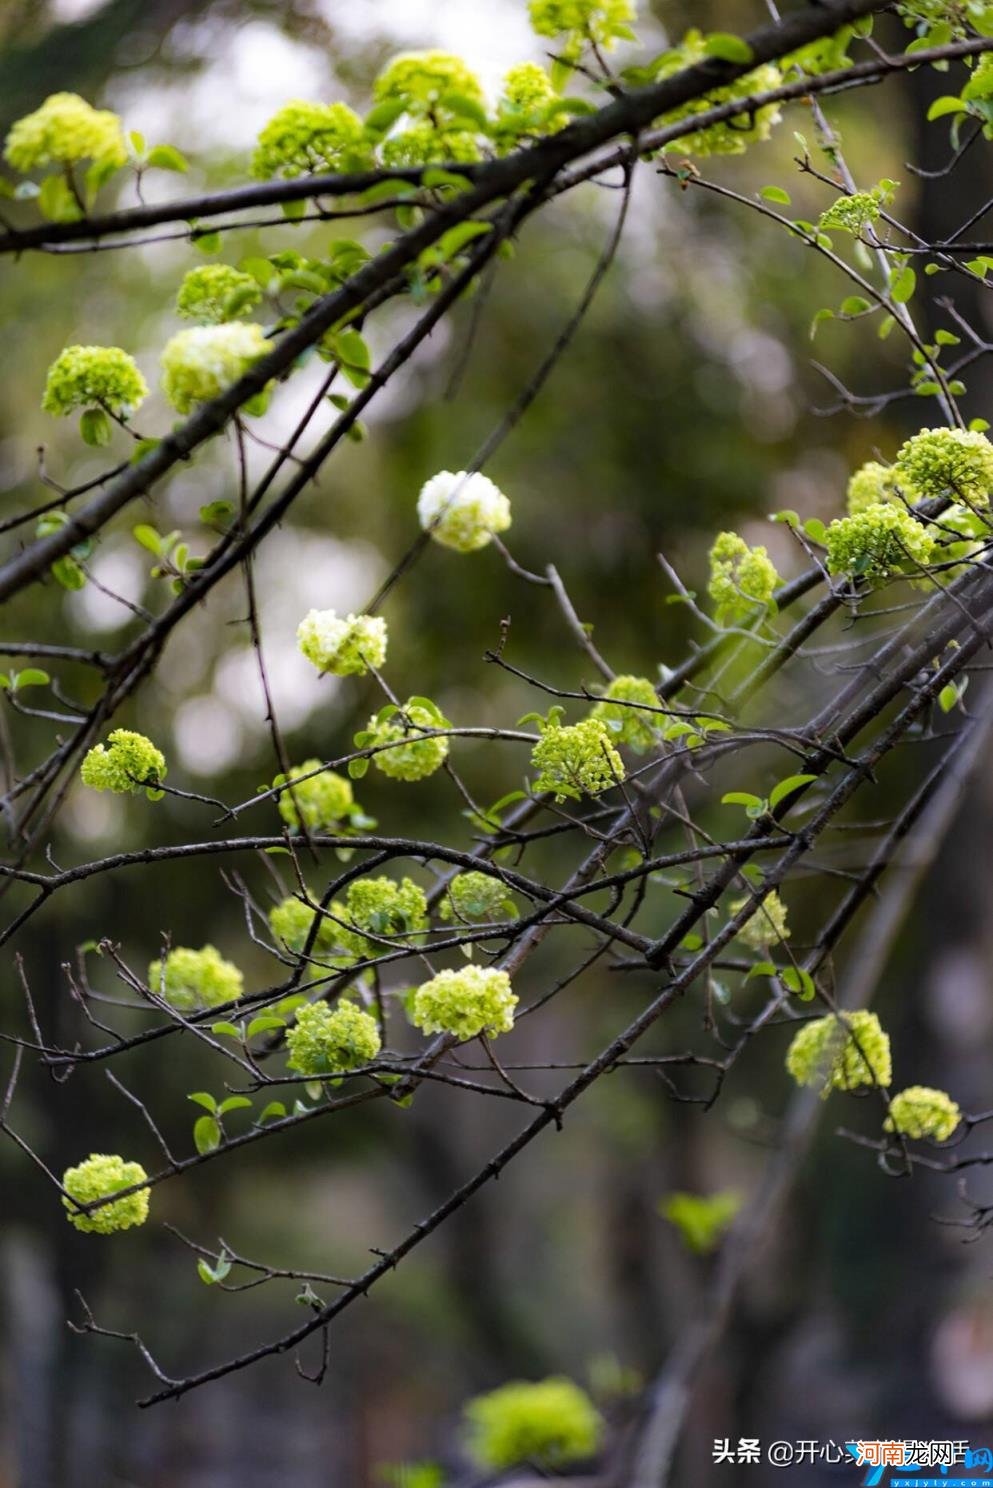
(215,293)
(954,13)
(631,725)
(127,764)
(94,377)
(305,139)
(201,363)
(323,799)
(767,926)
(290,923)
(347,647)
(853,213)
(462,511)
(549,1423)
(980,85)
(475,896)
(466,1002)
(841,1052)
(874,483)
(439,98)
(63,131)
(948,462)
(740,577)
(325,1040)
(575,760)
(602,22)
(411,755)
(192,980)
(380,907)
(878,541)
(919,1111)
(102,1174)
(733,136)
(529,106)
(424,144)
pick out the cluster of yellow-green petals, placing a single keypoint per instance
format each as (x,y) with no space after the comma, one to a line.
(878,541)
(423,80)
(465,1002)
(290,922)
(957,463)
(921,1112)
(475,896)
(193,980)
(94,377)
(740,577)
(462,511)
(630,725)
(549,1423)
(215,293)
(424,144)
(980,84)
(767,926)
(576,759)
(346,645)
(383,909)
(933,12)
(305,139)
(63,131)
(322,799)
(852,213)
(99,1175)
(841,1051)
(732,136)
(580,21)
(201,363)
(326,1040)
(873,483)
(127,764)
(411,754)
(527,89)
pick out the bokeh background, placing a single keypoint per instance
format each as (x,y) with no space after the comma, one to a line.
(688,402)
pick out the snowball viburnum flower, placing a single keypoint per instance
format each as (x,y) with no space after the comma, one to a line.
(919,1112)
(475,896)
(577,759)
(948,462)
(740,577)
(462,511)
(878,541)
(382,908)
(853,213)
(600,21)
(874,483)
(192,980)
(467,1002)
(100,1175)
(323,799)
(290,923)
(423,81)
(424,144)
(549,1422)
(215,293)
(346,646)
(326,1041)
(732,136)
(200,363)
(63,131)
(631,725)
(127,764)
(94,377)
(841,1052)
(767,926)
(409,753)
(304,139)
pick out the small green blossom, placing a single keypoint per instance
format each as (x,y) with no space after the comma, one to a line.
(382,908)
(63,131)
(920,1111)
(475,896)
(631,725)
(577,759)
(740,578)
(767,926)
(94,377)
(874,483)
(548,1423)
(424,144)
(326,1041)
(853,213)
(411,755)
(202,362)
(948,462)
(193,980)
(841,1052)
(878,541)
(954,13)
(290,923)
(733,136)
(979,88)
(323,799)
(527,106)
(602,22)
(305,139)
(215,293)
(424,82)
(462,511)
(127,764)
(465,1003)
(346,647)
(102,1174)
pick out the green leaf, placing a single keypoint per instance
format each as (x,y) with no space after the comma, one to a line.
(167,157)
(30,677)
(294,210)
(95,427)
(357,768)
(465,107)
(206,1134)
(264,1023)
(948,697)
(148,537)
(231,1030)
(798,981)
(274,1111)
(762,968)
(727,47)
(945,105)
(815,529)
(354,357)
(775,194)
(741,798)
(67,572)
(203,1098)
(855,305)
(787,787)
(207,242)
(233,1103)
(215,511)
(903,284)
